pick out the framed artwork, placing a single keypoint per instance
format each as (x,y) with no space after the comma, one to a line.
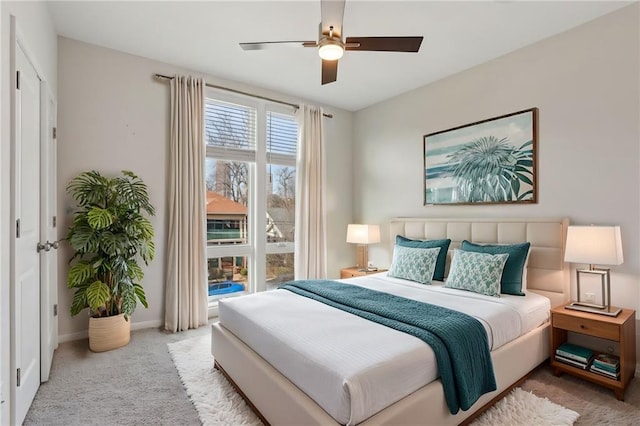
(486,162)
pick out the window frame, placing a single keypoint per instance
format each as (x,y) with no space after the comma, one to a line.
(257,247)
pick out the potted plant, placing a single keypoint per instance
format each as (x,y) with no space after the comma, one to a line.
(110,234)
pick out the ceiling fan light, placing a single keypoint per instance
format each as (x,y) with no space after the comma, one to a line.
(331,50)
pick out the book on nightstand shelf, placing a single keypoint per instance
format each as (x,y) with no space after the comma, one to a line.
(576,353)
(572,362)
(614,375)
(607,362)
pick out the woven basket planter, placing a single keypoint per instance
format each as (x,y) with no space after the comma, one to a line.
(108,333)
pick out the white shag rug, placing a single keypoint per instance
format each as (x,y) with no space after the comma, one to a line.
(520,407)
(219,404)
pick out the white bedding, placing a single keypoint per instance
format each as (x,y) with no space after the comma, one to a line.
(353,367)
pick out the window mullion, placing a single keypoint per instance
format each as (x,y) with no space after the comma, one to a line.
(260,199)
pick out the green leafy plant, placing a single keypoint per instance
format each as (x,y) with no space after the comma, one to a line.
(110,234)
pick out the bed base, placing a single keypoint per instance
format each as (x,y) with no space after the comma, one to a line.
(277,401)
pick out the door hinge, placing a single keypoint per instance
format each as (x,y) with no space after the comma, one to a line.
(55,132)
(55,310)
(18,80)
(18,378)
(18,228)
(54,221)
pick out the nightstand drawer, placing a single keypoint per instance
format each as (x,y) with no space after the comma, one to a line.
(350,274)
(354,271)
(587,326)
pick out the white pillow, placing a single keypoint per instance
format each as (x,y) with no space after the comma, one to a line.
(415,264)
(477,272)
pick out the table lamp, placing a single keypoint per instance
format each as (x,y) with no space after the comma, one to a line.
(594,245)
(363,235)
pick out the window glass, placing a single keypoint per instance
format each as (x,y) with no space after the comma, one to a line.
(227,184)
(229,125)
(226,275)
(279,269)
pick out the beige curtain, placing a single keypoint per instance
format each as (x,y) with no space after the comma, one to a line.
(310,245)
(186,294)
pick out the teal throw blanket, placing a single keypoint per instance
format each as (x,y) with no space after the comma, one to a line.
(458,340)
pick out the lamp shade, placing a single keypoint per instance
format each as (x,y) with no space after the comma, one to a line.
(363,234)
(594,245)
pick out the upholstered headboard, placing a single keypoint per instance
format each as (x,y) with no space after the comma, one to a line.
(547,273)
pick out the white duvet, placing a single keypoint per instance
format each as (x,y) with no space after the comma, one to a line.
(353,367)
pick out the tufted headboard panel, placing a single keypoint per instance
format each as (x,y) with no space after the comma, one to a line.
(547,273)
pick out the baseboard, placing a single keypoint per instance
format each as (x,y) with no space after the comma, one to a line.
(84,334)
(146,324)
(73,336)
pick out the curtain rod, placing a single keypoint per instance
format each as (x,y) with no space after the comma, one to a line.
(296,106)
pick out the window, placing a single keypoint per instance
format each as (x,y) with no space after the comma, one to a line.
(250,181)
(282,135)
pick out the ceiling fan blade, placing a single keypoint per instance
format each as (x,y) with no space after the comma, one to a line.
(329,71)
(261,45)
(385,44)
(332,13)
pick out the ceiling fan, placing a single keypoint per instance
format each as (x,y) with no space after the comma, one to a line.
(330,42)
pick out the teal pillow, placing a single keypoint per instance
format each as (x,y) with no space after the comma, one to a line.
(438,274)
(415,264)
(477,272)
(511,282)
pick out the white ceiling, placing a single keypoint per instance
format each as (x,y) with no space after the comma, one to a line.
(204,35)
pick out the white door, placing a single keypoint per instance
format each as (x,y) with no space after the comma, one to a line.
(48,233)
(25,337)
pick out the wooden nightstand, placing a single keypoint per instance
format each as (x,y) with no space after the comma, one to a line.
(621,329)
(354,272)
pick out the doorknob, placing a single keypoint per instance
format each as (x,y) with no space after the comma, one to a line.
(46,246)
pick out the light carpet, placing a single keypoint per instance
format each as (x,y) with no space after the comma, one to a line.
(218,403)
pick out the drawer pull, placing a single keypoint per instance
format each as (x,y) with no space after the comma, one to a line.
(582,326)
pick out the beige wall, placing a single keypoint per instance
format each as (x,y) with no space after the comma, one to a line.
(585,84)
(114,115)
(37,35)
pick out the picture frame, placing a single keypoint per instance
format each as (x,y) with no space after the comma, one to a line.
(492,161)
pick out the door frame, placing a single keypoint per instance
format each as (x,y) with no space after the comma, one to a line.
(8,225)
(13,47)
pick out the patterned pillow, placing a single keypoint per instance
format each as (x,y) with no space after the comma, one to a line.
(513,277)
(477,272)
(415,264)
(438,273)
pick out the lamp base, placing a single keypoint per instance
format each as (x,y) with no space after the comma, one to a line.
(362,256)
(610,311)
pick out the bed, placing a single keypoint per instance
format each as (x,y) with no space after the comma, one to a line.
(250,346)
